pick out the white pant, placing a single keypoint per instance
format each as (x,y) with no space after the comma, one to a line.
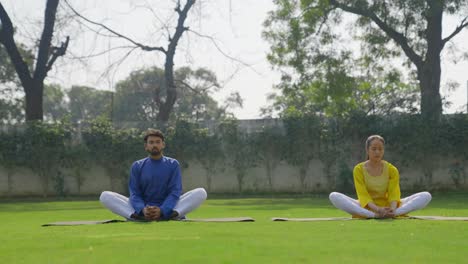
(409,204)
(120,204)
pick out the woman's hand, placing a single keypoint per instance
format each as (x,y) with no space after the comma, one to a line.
(384,212)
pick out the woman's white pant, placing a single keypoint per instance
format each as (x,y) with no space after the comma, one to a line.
(120,204)
(409,204)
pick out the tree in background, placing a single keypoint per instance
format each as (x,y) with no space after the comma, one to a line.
(55,104)
(32,79)
(339,86)
(208,152)
(170,96)
(303,134)
(139,97)
(270,144)
(87,103)
(11,94)
(239,149)
(302,33)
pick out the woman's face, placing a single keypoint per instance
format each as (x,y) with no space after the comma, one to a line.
(376,150)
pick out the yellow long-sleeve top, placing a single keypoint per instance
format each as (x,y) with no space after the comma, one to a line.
(381,189)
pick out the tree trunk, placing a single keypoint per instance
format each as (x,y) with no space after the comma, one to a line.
(34,94)
(33,83)
(171,91)
(429,72)
(429,83)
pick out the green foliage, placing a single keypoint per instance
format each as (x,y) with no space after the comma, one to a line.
(209,153)
(11,94)
(310,44)
(51,152)
(270,144)
(9,155)
(114,149)
(54,105)
(239,150)
(303,143)
(42,148)
(457,173)
(180,142)
(79,160)
(87,103)
(139,97)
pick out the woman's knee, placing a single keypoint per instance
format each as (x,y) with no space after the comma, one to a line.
(426,196)
(334,195)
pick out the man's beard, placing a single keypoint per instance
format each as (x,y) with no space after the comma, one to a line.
(154,152)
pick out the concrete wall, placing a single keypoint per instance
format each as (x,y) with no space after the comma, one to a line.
(285,178)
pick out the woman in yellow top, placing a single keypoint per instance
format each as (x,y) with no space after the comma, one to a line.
(377,184)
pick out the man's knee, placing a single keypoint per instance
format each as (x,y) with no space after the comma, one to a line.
(105,197)
(201,194)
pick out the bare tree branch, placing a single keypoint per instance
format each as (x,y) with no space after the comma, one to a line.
(57,52)
(197,91)
(399,38)
(457,30)
(46,38)
(142,46)
(222,52)
(102,52)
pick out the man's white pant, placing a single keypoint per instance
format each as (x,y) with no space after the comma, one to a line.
(120,204)
(409,204)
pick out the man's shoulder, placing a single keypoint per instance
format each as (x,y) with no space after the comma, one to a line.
(170,160)
(140,162)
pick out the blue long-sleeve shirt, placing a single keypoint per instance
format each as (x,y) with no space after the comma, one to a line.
(156,183)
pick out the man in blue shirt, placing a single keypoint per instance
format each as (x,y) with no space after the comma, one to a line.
(155,187)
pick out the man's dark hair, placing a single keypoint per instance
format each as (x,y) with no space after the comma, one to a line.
(153,132)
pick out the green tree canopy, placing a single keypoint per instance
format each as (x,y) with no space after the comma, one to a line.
(87,103)
(139,97)
(308,35)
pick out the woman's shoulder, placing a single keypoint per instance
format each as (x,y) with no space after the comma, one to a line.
(390,166)
(359,166)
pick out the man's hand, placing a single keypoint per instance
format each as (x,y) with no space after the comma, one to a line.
(152,213)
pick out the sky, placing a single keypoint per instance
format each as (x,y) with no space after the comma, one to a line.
(236,51)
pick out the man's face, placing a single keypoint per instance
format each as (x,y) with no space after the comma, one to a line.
(154,145)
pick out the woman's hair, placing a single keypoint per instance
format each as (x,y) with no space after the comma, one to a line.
(372,138)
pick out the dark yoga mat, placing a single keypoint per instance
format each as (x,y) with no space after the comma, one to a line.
(228,219)
(73,223)
(439,218)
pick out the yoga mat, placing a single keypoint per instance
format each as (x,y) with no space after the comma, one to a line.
(439,218)
(312,219)
(74,223)
(227,219)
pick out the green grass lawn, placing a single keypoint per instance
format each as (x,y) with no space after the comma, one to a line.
(23,240)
